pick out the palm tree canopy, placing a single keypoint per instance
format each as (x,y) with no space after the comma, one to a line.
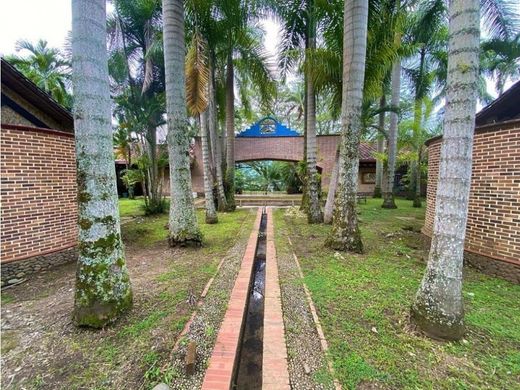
(45,66)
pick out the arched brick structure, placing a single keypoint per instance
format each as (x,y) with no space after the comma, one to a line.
(289,149)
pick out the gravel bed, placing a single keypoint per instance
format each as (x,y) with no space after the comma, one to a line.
(206,323)
(306,361)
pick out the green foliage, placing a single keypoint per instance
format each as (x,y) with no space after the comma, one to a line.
(136,67)
(149,230)
(47,67)
(268,176)
(130,178)
(500,60)
(144,325)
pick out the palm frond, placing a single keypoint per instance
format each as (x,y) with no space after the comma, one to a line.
(197,76)
(500,17)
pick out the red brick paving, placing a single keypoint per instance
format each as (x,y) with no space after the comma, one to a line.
(275,372)
(219,375)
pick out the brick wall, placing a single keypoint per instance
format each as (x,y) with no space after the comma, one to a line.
(38,190)
(493,228)
(285,149)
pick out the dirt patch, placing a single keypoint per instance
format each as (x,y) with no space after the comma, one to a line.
(40,320)
(42,349)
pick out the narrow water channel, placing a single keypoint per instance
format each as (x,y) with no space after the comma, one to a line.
(249,366)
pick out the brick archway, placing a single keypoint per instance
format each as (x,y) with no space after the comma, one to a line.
(288,149)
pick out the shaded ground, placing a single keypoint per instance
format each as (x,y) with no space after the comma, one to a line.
(41,349)
(363,303)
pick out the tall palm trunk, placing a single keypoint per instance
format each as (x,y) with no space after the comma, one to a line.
(103,289)
(379,167)
(314,214)
(345,230)
(380,149)
(417,191)
(211,213)
(183,225)
(230,134)
(305,191)
(154,196)
(438,308)
(417,123)
(331,195)
(388,195)
(215,143)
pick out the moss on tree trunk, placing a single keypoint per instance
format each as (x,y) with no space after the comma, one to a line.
(103,289)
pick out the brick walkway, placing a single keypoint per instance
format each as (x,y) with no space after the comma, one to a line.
(219,375)
(275,373)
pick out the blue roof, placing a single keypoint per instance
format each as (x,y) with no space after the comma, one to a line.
(268,127)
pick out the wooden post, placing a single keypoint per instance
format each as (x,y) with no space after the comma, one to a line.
(191,357)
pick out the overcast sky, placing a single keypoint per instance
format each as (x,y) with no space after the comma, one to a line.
(33,20)
(51,20)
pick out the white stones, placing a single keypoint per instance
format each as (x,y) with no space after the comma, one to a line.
(161,386)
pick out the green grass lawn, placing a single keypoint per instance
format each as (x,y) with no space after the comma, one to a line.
(144,231)
(363,302)
(131,207)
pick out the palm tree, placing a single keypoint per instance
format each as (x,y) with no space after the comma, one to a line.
(386,19)
(200,18)
(184,229)
(216,144)
(230,133)
(198,95)
(300,25)
(314,213)
(380,148)
(429,34)
(235,57)
(103,289)
(388,194)
(438,308)
(331,195)
(501,60)
(46,67)
(137,70)
(243,53)
(345,230)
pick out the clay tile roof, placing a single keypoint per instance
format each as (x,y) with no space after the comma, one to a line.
(366,152)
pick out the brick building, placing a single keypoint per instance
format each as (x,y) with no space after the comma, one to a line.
(284,144)
(493,229)
(38,180)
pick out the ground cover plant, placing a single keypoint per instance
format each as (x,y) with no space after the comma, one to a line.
(363,302)
(42,349)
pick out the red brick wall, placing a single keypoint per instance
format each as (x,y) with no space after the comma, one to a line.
(493,228)
(38,189)
(280,148)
